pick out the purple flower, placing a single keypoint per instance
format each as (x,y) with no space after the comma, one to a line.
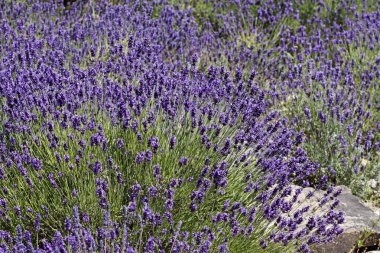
(157,172)
(172,142)
(263,244)
(154,143)
(148,155)
(322,117)
(183,161)
(74,193)
(140,157)
(52,180)
(97,168)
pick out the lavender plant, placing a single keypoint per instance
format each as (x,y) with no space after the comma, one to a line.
(333,101)
(146,127)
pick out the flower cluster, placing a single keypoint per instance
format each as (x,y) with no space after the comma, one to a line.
(148,126)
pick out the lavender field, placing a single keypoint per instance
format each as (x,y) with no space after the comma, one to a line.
(185,125)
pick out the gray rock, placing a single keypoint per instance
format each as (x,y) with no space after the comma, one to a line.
(359,215)
(360,219)
(372,183)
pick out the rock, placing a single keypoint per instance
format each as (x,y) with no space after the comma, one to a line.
(372,183)
(361,218)
(364,162)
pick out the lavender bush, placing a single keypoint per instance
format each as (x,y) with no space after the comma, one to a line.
(183,126)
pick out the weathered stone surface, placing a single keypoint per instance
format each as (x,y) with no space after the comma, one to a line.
(360,218)
(344,243)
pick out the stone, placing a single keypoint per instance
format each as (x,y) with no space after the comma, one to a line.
(372,183)
(361,219)
(364,162)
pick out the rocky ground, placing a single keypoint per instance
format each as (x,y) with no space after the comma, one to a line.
(361,229)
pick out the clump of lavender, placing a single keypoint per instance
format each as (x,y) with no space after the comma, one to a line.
(112,142)
(334,99)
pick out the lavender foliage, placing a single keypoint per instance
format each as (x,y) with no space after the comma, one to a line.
(149,126)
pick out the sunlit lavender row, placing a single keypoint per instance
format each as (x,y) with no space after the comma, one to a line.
(184,126)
